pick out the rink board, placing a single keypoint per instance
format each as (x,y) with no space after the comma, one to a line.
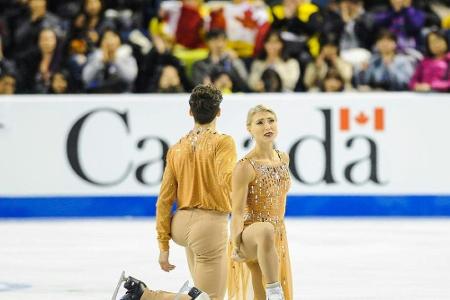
(366,154)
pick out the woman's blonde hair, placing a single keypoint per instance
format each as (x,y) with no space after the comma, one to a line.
(257,109)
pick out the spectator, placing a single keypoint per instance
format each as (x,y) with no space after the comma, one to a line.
(7,84)
(60,83)
(355,33)
(293,19)
(328,58)
(402,19)
(326,22)
(271,81)
(220,57)
(273,57)
(88,25)
(38,65)
(169,80)
(333,82)
(222,80)
(112,68)
(159,56)
(387,70)
(28,29)
(433,72)
(6,66)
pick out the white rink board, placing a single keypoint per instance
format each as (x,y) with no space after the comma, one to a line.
(410,156)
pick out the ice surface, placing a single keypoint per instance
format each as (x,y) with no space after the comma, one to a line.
(81,259)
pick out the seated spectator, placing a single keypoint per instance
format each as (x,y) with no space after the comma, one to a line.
(7,83)
(37,66)
(220,57)
(271,81)
(355,33)
(402,19)
(159,56)
(387,69)
(274,58)
(355,36)
(433,72)
(60,83)
(28,29)
(293,19)
(89,24)
(6,66)
(327,59)
(222,80)
(168,81)
(332,82)
(112,68)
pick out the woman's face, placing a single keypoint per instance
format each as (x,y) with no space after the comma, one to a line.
(38,5)
(93,7)
(333,85)
(273,46)
(437,45)
(59,83)
(386,46)
(110,41)
(47,41)
(263,127)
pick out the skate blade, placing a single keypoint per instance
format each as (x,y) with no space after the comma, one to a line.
(121,279)
(184,288)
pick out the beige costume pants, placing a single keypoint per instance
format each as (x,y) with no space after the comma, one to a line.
(204,234)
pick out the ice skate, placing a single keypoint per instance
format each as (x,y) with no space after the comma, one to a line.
(193,292)
(135,288)
(274,291)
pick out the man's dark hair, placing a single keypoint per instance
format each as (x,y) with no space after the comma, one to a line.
(205,103)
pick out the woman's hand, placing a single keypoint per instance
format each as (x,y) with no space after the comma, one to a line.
(164,261)
(237,255)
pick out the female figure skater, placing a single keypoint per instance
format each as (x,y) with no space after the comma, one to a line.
(260,183)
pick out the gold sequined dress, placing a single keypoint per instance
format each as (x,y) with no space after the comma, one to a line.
(266,202)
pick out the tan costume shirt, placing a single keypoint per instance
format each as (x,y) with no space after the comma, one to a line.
(197,175)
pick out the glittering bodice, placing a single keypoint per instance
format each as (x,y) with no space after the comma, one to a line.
(266,198)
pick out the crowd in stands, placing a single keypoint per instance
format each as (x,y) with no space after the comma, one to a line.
(169,46)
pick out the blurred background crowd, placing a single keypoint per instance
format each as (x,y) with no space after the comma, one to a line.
(169,46)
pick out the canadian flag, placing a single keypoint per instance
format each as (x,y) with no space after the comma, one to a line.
(361,118)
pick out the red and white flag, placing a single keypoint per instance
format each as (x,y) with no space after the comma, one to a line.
(350,118)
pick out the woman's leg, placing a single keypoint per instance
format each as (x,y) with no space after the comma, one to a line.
(257,282)
(258,243)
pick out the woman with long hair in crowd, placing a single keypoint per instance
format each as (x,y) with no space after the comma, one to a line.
(273,57)
(433,72)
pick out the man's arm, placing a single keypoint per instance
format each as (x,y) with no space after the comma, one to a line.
(167,196)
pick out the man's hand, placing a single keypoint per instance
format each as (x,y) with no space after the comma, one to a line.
(164,261)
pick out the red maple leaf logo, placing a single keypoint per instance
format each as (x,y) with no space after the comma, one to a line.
(247,21)
(361,118)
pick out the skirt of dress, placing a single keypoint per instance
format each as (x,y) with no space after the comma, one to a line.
(239,277)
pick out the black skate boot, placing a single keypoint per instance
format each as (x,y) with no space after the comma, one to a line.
(135,289)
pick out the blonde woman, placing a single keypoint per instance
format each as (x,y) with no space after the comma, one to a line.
(260,183)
